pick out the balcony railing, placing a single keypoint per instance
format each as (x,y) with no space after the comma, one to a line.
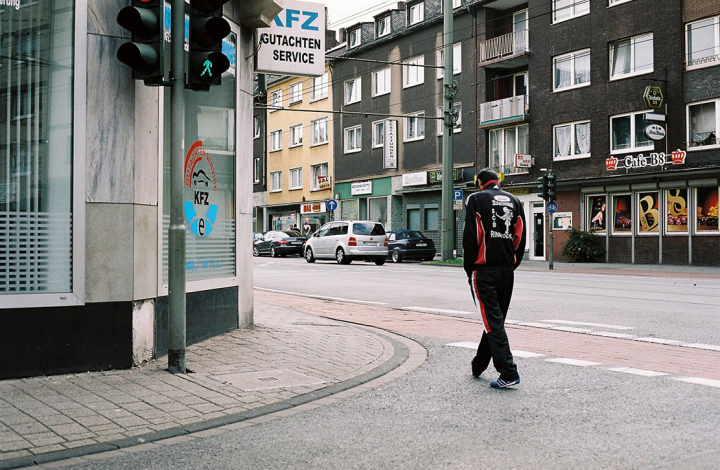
(503,110)
(505,46)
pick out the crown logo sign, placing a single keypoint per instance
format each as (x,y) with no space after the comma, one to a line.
(678,157)
(611,163)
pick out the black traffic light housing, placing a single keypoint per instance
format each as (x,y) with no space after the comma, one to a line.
(206,61)
(543,187)
(551,186)
(144,54)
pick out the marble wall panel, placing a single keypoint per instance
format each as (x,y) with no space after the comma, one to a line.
(102,16)
(245,76)
(110,142)
(108,252)
(145,252)
(245,272)
(147,132)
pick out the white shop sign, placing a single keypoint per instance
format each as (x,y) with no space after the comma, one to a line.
(414,179)
(364,187)
(390,144)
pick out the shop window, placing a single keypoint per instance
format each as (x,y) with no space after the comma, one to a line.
(319,87)
(597,214)
(352,90)
(648,212)
(353,139)
(568,9)
(631,56)
(706,208)
(677,210)
(571,70)
(382,27)
(378,209)
(414,127)
(414,72)
(350,209)
(628,133)
(703,125)
(622,214)
(413,219)
(432,219)
(381,82)
(457,60)
(703,43)
(572,140)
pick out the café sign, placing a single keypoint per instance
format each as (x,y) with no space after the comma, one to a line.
(641,161)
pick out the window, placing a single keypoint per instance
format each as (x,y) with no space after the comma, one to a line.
(457,3)
(597,214)
(571,70)
(354,38)
(622,218)
(631,56)
(383,27)
(432,217)
(378,134)
(648,211)
(275,141)
(275,181)
(628,133)
(353,139)
(256,171)
(572,140)
(416,13)
(319,131)
(276,99)
(319,87)
(413,72)
(295,92)
(567,9)
(676,220)
(458,124)
(413,219)
(703,125)
(617,2)
(352,90)
(381,82)
(706,208)
(256,127)
(504,144)
(703,42)
(295,136)
(415,127)
(377,208)
(457,60)
(317,171)
(296,178)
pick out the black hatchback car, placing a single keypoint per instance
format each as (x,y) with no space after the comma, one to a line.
(409,245)
(280,243)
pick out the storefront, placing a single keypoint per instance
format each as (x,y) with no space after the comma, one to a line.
(365,200)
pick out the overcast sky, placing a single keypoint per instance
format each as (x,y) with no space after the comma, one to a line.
(343,13)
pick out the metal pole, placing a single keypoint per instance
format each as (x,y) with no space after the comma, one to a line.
(448,213)
(550,242)
(176,236)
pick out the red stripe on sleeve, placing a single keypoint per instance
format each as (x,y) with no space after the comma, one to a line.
(481,240)
(517,235)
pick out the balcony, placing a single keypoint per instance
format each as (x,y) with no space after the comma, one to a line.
(501,111)
(506,51)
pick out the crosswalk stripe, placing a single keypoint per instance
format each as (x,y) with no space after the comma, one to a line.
(643,372)
(573,362)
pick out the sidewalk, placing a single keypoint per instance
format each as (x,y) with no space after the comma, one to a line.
(652,270)
(288,359)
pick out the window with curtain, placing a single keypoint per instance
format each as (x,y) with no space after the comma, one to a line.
(457,60)
(458,124)
(295,92)
(703,125)
(703,42)
(378,209)
(36,147)
(275,141)
(296,133)
(316,171)
(354,38)
(319,131)
(320,87)
(276,181)
(631,56)
(413,72)
(504,144)
(383,26)
(381,82)
(353,139)
(572,140)
(628,133)
(567,9)
(415,127)
(572,70)
(378,133)
(256,171)
(296,178)
(276,99)
(416,13)
(352,91)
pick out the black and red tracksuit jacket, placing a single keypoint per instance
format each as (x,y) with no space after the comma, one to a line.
(494,236)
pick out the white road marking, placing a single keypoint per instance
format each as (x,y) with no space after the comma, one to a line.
(513,322)
(324,297)
(600,325)
(659,341)
(709,347)
(465,344)
(571,329)
(515,353)
(609,334)
(435,310)
(643,372)
(573,362)
(535,325)
(700,381)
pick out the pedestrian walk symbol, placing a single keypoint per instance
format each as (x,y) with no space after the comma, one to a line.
(207,65)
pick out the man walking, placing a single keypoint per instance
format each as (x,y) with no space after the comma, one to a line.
(494,243)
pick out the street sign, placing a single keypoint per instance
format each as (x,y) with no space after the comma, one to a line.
(457,199)
(331,204)
(653,96)
(551,207)
(522,160)
(654,117)
(655,132)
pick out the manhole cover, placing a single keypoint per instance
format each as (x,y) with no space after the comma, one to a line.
(267,379)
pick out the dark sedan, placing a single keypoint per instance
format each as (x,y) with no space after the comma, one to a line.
(409,245)
(280,243)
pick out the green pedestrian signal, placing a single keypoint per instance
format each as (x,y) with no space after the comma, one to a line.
(206,61)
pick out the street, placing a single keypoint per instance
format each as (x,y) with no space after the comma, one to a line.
(610,377)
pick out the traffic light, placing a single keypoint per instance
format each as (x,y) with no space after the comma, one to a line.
(206,62)
(551,186)
(144,55)
(543,187)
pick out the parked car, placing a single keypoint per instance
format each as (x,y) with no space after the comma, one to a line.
(348,240)
(409,245)
(280,243)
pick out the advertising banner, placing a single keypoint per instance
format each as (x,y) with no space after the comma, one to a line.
(390,144)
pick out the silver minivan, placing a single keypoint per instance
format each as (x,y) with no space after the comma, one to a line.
(348,240)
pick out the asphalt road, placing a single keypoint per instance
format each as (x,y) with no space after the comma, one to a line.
(682,309)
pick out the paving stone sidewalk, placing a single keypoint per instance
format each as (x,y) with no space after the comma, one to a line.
(285,355)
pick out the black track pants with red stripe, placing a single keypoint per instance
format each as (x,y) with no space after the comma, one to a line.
(491,292)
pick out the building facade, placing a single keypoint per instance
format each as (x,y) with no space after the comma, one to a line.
(84,192)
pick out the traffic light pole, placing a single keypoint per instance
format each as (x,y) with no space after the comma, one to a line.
(550,241)
(176,237)
(448,213)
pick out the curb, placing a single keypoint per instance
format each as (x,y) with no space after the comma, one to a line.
(402,352)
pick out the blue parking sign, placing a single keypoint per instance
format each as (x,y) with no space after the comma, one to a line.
(458,195)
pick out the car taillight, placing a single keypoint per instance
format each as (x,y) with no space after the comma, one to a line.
(386,243)
(282,242)
(352,241)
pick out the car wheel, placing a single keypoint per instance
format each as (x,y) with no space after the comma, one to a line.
(340,257)
(309,256)
(256,252)
(379,262)
(272,252)
(396,256)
